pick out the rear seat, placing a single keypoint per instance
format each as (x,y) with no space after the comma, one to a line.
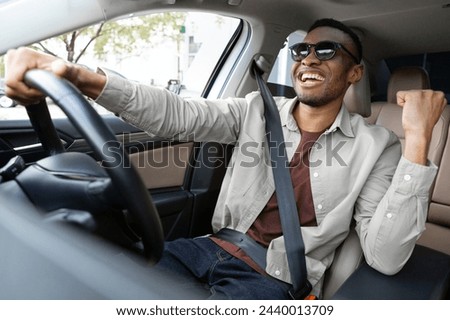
(389,115)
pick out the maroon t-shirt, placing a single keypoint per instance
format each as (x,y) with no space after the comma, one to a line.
(268,225)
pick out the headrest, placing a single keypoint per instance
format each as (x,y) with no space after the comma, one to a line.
(357,97)
(406,78)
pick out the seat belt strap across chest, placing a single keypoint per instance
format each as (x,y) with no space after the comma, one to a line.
(290,224)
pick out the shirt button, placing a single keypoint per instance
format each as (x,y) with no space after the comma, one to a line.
(319,207)
(277,272)
(315,174)
(407,177)
(389,215)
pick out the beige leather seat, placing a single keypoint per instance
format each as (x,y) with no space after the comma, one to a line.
(404,78)
(388,114)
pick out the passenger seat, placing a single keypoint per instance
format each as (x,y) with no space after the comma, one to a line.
(389,115)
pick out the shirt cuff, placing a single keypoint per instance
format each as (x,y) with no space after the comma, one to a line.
(116,93)
(413,178)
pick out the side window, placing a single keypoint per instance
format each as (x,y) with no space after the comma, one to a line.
(279,80)
(175,50)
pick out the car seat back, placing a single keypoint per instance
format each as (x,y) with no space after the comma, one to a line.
(389,115)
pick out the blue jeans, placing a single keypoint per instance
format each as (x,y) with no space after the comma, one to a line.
(202,263)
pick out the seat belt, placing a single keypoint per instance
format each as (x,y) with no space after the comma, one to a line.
(290,224)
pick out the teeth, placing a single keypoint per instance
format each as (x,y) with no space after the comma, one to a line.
(311,76)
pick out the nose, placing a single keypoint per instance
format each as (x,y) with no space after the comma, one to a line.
(310,59)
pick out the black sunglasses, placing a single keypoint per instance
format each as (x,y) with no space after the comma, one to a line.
(323,50)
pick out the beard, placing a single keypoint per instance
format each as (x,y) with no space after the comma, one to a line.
(313,101)
(319,100)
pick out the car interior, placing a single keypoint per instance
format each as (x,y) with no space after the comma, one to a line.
(71,219)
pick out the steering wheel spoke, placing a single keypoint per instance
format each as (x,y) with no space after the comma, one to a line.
(43,125)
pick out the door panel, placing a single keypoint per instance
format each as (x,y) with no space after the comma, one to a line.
(182,177)
(163,167)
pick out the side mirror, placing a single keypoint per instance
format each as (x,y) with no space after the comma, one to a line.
(6,102)
(174,86)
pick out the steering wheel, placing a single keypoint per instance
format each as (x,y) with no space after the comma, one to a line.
(101,139)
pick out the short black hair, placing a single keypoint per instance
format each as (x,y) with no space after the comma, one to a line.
(328,22)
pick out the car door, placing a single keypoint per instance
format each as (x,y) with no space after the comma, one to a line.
(183,177)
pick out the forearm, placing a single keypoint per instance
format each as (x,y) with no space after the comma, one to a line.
(416,148)
(89,82)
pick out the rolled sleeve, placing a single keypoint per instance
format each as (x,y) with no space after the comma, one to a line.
(116,93)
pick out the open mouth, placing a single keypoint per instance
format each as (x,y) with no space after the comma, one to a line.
(311,77)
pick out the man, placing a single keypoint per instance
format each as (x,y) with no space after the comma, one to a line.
(385,193)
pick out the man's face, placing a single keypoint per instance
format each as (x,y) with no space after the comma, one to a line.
(316,82)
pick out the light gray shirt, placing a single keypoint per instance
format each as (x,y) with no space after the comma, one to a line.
(356,171)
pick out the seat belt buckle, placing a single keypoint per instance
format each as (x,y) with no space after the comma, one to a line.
(301,294)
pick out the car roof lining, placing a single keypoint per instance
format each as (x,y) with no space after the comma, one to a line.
(383,23)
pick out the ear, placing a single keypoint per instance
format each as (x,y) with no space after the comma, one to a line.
(355,74)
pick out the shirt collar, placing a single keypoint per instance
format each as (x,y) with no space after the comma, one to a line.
(287,119)
(341,122)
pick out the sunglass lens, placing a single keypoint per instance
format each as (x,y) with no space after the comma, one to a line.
(302,50)
(325,50)
(299,51)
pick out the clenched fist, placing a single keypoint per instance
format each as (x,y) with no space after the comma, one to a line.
(421,111)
